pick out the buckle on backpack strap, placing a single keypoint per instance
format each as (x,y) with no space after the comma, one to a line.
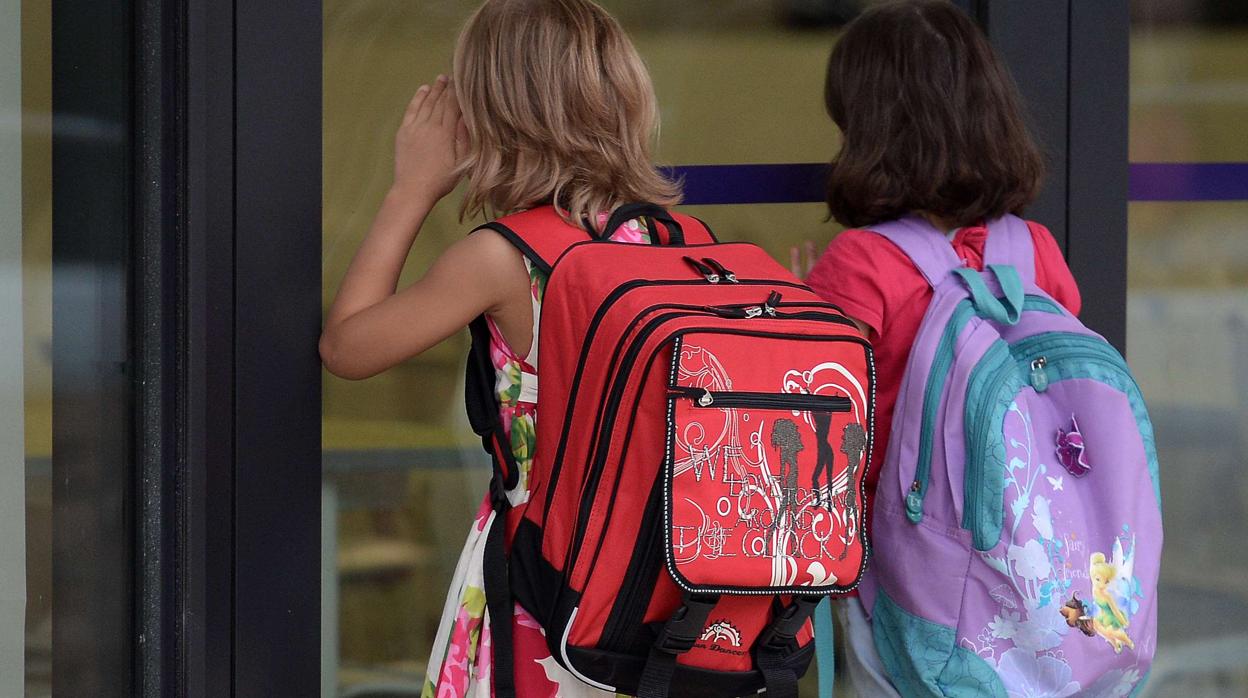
(685,627)
(498,494)
(788,623)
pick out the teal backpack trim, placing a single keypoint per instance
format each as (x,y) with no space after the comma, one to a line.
(942,363)
(1107,366)
(922,658)
(825,648)
(935,387)
(1006,310)
(994,384)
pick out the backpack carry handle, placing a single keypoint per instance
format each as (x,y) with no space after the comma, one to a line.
(627,212)
(1006,310)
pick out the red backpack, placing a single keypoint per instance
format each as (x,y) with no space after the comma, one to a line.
(697,486)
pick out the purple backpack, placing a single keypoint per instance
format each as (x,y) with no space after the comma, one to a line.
(1017,522)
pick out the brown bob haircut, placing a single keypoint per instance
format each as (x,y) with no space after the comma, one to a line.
(930,119)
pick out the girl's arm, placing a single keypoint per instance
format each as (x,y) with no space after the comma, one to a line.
(369,327)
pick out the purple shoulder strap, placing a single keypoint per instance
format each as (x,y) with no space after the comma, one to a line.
(1009,242)
(926,247)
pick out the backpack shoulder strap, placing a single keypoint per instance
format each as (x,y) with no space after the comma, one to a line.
(539,233)
(696,231)
(1009,243)
(926,247)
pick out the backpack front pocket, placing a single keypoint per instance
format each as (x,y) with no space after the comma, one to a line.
(765,458)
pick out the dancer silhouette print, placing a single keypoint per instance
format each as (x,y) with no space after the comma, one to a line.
(825,459)
(853,445)
(786,439)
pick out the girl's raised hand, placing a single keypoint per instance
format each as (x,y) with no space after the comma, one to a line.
(426,151)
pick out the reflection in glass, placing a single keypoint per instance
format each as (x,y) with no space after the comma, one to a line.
(26,263)
(1187,335)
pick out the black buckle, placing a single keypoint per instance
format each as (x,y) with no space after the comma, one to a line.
(788,623)
(685,627)
(498,494)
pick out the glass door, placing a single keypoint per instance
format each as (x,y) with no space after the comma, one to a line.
(66,391)
(1187,325)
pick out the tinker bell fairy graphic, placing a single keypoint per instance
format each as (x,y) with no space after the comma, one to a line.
(1114,595)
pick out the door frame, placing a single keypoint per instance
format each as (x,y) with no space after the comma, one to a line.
(227,300)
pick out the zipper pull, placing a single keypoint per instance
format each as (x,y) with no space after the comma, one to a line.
(723,271)
(702,396)
(754,311)
(1039,378)
(702,269)
(773,300)
(914,502)
(731,312)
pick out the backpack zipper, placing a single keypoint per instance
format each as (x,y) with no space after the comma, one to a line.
(707,273)
(999,368)
(766,401)
(1025,358)
(598,460)
(594,324)
(724,272)
(942,364)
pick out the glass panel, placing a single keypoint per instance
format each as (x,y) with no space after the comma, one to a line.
(25,352)
(87,630)
(13,338)
(737,81)
(1187,335)
(1189,81)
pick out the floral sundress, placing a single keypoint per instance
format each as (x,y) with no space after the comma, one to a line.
(460,664)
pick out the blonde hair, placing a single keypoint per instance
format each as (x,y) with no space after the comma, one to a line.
(559,110)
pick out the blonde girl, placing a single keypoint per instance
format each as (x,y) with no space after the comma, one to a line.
(548,105)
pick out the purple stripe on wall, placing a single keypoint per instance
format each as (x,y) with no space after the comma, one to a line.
(752,184)
(804,182)
(1189,181)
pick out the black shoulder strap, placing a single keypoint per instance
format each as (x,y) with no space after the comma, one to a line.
(483,414)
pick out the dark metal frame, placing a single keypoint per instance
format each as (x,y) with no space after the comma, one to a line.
(1070,59)
(227,298)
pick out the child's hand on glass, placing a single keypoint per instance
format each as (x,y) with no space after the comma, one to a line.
(430,144)
(802,258)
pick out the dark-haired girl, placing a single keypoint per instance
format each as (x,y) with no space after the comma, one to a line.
(933,126)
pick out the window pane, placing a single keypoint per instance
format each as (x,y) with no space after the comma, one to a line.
(1187,335)
(1189,81)
(13,344)
(65,522)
